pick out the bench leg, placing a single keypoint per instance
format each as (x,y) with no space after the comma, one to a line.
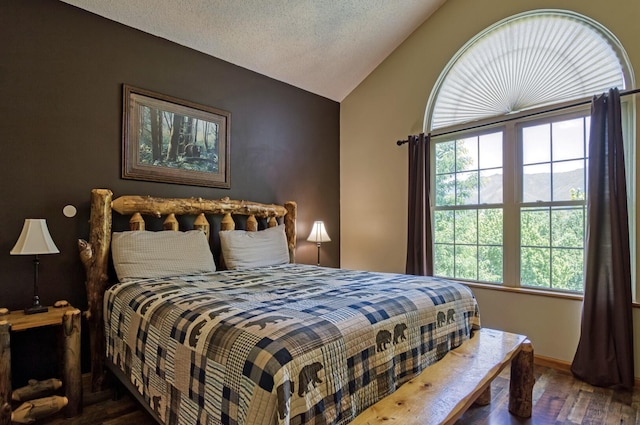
(484,398)
(522,380)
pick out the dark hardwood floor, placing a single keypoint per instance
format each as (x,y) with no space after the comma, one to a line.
(101,408)
(558,398)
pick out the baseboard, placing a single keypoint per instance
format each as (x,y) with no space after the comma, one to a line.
(563,366)
(552,363)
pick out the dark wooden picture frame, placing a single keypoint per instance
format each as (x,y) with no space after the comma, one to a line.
(171,140)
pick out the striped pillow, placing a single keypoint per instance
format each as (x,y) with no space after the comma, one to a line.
(145,254)
(243,250)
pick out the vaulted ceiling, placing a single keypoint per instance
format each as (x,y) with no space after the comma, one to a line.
(326,47)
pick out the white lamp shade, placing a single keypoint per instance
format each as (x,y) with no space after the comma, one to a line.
(318,233)
(34,239)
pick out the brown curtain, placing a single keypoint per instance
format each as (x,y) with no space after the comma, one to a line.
(604,356)
(419,237)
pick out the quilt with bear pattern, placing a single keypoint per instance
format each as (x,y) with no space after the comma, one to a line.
(289,344)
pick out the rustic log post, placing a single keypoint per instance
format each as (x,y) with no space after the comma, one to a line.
(72,371)
(5,373)
(201,223)
(522,380)
(273,222)
(227,222)
(95,255)
(171,223)
(136,222)
(252,224)
(484,398)
(290,228)
(127,205)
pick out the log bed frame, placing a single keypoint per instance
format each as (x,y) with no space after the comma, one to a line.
(440,394)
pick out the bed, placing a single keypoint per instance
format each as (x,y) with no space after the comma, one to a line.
(262,340)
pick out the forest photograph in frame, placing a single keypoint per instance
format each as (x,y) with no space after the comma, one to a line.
(171,140)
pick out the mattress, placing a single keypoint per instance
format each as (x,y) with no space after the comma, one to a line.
(289,344)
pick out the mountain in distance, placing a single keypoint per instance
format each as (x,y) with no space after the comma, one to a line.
(537,187)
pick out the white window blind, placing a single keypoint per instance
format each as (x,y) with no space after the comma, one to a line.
(527,61)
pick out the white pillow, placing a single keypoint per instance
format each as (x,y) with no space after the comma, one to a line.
(243,250)
(143,254)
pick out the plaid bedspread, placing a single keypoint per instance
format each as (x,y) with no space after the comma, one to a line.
(290,344)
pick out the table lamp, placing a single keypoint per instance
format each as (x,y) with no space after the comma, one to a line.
(318,235)
(35,240)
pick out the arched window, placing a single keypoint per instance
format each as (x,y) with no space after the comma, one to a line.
(510,157)
(526,61)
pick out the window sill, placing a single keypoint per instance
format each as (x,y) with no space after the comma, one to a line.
(527,291)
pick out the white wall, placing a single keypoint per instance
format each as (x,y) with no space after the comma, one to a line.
(390,104)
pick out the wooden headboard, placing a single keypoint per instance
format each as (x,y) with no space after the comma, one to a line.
(95,253)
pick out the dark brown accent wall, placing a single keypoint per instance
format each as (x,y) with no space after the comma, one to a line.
(61,76)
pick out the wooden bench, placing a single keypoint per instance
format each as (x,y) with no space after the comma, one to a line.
(444,391)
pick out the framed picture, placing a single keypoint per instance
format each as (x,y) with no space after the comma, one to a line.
(171,140)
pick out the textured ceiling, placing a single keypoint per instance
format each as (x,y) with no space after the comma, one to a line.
(326,47)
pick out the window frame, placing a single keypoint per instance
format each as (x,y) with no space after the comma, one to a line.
(501,118)
(512,186)
(463,207)
(578,112)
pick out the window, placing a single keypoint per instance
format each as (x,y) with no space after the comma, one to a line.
(546,211)
(510,162)
(533,59)
(553,203)
(468,215)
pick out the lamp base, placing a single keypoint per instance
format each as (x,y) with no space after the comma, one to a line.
(35,309)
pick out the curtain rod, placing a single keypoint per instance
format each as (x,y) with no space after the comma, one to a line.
(533,114)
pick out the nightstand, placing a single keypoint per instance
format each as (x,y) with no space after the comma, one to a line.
(16,321)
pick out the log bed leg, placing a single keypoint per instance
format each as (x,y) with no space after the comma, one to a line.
(72,370)
(522,380)
(5,373)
